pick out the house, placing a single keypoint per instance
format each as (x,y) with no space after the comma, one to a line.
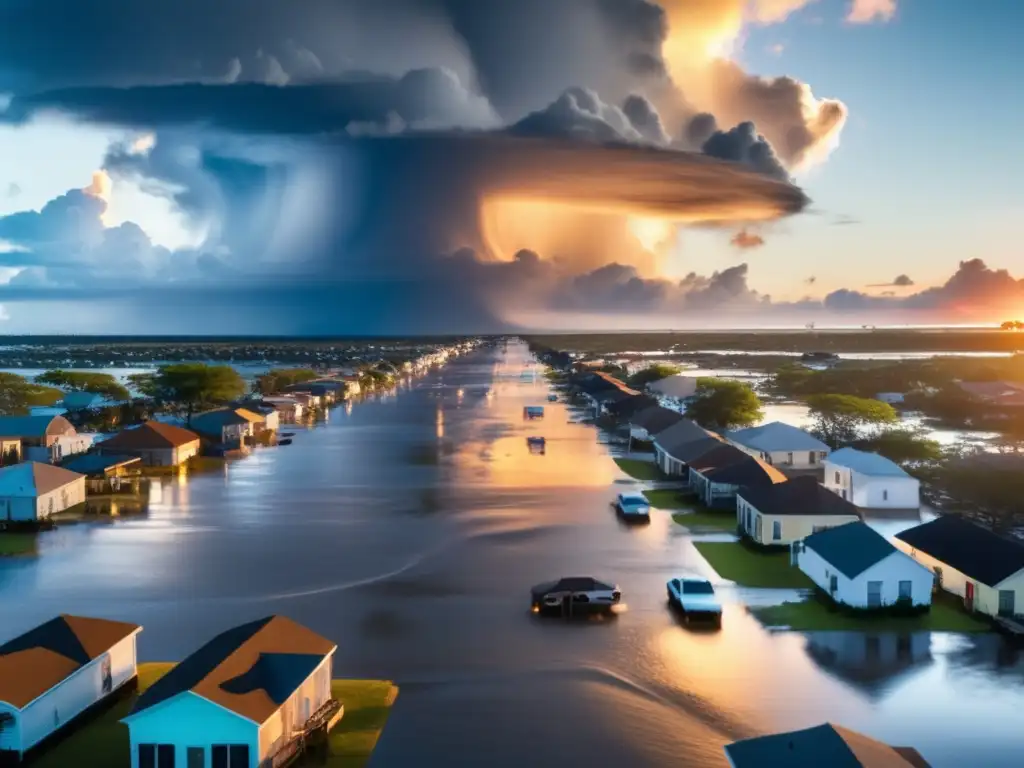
(352,385)
(289,409)
(156,443)
(645,424)
(675,458)
(240,701)
(780,445)
(55,672)
(823,745)
(677,387)
(104,473)
(39,431)
(33,491)
(996,393)
(227,426)
(10,450)
(668,440)
(326,391)
(871,481)
(718,475)
(307,400)
(985,569)
(791,511)
(628,407)
(892,398)
(858,567)
(59,448)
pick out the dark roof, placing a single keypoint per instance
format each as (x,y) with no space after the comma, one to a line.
(824,745)
(149,436)
(682,432)
(728,465)
(250,669)
(613,396)
(974,551)
(36,661)
(97,463)
(571,584)
(799,496)
(851,548)
(693,450)
(625,408)
(656,418)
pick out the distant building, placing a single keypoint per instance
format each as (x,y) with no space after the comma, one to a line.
(1006,394)
(33,491)
(36,431)
(871,481)
(781,445)
(232,427)
(892,398)
(51,674)
(243,699)
(156,443)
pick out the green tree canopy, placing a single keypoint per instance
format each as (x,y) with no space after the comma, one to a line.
(18,394)
(144,384)
(192,386)
(653,373)
(277,379)
(725,404)
(85,381)
(904,446)
(838,419)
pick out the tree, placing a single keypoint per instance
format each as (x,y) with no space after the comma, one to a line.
(196,385)
(144,383)
(86,381)
(838,419)
(1012,325)
(277,379)
(653,373)
(18,394)
(725,404)
(904,446)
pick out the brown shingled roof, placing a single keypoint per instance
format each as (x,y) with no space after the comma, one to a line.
(250,670)
(36,661)
(148,436)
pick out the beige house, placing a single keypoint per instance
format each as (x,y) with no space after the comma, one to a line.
(984,569)
(786,512)
(156,443)
(34,491)
(35,431)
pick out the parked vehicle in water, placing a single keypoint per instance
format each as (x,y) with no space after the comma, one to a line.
(696,598)
(552,398)
(574,595)
(536,444)
(633,506)
(533,412)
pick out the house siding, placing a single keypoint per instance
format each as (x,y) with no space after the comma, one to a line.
(77,692)
(189,720)
(296,711)
(160,457)
(793,527)
(854,592)
(10,733)
(804,459)
(60,499)
(986,598)
(720,495)
(869,492)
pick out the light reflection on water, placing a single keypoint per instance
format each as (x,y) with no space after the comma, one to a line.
(419,570)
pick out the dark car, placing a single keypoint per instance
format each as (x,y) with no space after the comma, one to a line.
(574,595)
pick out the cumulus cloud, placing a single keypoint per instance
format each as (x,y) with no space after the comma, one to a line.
(743,144)
(745,240)
(901,281)
(867,11)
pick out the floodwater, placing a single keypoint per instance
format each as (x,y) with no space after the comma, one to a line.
(409,529)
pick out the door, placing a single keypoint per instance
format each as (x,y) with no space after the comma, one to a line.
(1006,602)
(969,596)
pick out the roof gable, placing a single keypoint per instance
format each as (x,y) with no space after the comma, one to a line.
(866,463)
(33,478)
(969,548)
(34,426)
(656,418)
(851,548)
(802,495)
(150,435)
(682,432)
(776,436)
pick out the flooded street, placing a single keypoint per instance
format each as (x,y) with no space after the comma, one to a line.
(409,530)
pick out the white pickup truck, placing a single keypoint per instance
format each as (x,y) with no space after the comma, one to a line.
(695,597)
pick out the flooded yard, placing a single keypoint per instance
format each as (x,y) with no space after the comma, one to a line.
(409,529)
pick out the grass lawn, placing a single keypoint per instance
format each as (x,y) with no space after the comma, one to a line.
(640,470)
(17,543)
(736,562)
(705,520)
(812,615)
(103,742)
(667,498)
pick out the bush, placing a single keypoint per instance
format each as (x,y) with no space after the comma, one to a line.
(901,609)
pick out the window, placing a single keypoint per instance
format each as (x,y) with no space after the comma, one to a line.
(837,478)
(813,458)
(156,756)
(230,756)
(906,590)
(196,757)
(833,583)
(776,530)
(874,594)
(885,495)
(789,457)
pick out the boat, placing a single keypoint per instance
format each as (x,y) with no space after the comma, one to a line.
(286,441)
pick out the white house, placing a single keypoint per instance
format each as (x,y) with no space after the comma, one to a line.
(781,445)
(871,481)
(860,568)
(60,448)
(34,491)
(51,674)
(241,701)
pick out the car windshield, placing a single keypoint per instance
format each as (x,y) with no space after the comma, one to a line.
(698,588)
(634,500)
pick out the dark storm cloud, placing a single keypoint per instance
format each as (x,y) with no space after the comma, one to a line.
(645,119)
(699,129)
(743,144)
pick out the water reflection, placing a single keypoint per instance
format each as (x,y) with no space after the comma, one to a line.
(870,662)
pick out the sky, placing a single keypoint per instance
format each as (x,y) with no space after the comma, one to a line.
(452,166)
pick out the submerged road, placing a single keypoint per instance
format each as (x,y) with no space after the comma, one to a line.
(409,530)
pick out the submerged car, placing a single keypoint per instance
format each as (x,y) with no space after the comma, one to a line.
(573,595)
(633,506)
(695,597)
(552,398)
